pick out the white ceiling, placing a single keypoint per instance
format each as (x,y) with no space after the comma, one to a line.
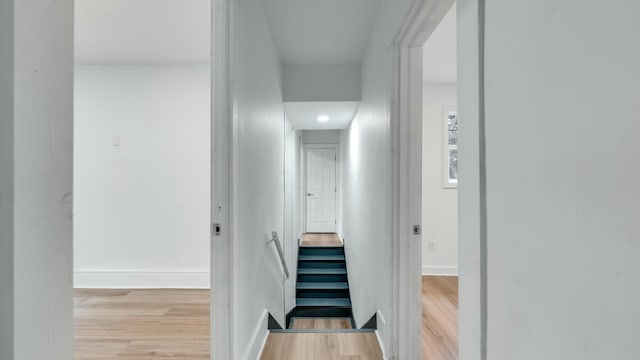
(304,115)
(142,31)
(321,31)
(440,55)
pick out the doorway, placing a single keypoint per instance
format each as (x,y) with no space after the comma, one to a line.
(321,188)
(440,193)
(141,179)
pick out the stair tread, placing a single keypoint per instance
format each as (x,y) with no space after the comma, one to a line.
(341,302)
(322,285)
(320,257)
(332,271)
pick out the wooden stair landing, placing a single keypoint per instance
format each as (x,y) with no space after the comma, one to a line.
(320,239)
(322,346)
(321,323)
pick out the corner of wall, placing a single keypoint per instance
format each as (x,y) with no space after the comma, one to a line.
(381,333)
(258,339)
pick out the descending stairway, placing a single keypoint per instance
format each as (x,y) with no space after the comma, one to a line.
(322,288)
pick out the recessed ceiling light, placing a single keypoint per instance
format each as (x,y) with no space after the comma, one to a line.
(323,118)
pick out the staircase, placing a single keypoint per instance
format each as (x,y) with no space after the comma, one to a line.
(322,288)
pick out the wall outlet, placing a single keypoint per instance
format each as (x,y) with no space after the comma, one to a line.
(431,245)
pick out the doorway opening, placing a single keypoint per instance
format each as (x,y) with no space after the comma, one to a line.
(321,188)
(142,178)
(439,193)
(314,244)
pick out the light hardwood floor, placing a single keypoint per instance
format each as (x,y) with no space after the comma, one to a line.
(320,323)
(321,346)
(439,318)
(320,239)
(141,324)
(174,324)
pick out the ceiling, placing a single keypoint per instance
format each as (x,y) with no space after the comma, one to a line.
(142,31)
(321,31)
(439,54)
(158,32)
(304,115)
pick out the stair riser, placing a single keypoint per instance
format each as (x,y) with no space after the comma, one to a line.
(322,264)
(322,294)
(322,312)
(322,278)
(321,251)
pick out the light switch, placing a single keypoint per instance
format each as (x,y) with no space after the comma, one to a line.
(116,140)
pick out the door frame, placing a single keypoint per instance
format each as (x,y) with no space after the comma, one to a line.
(303,161)
(222,171)
(406,164)
(405,111)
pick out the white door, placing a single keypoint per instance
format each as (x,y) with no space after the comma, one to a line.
(321,189)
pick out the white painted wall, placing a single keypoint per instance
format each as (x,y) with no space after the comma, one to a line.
(470,283)
(291,230)
(36,112)
(335,82)
(142,208)
(439,204)
(562,142)
(6,180)
(258,191)
(298,183)
(321,136)
(366,179)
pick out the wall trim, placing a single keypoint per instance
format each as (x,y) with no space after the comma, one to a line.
(258,339)
(382,324)
(141,279)
(439,270)
(406,170)
(381,343)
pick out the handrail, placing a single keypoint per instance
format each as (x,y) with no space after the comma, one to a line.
(281,253)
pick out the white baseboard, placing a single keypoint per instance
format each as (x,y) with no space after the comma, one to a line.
(440,270)
(382,325)
(152,279)
(258,338)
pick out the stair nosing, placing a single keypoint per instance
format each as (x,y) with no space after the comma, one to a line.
(345,302)
(322,285)
(321,257)
(322,271)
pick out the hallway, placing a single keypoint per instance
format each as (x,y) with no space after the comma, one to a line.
(174,324)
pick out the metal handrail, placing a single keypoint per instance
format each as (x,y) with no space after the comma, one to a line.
(275,239)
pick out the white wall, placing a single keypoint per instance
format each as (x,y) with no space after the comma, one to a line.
(470,247)
(6,180)
(336,82)
(258,191)
(439,204)
(562,138)
(36,75)
(291,230)
(298,184)
(366,179)
(321,136)
(141,209)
